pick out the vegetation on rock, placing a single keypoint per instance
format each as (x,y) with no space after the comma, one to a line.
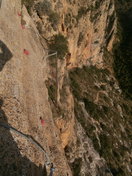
(54,18)
(81,12)
(43,8)
(28,4)
(59,44)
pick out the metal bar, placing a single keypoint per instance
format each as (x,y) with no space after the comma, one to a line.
(50,55)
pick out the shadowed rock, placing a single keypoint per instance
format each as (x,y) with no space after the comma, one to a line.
(5,54)
(11,161)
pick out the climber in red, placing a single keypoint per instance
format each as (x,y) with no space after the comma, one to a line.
(22,26)
(42,121)
(26,52)
(19,14)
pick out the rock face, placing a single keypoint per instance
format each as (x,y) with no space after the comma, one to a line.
(81,99)
(24,97)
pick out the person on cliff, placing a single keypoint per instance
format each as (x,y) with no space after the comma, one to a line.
(52,169)
(26,52)
(42,121)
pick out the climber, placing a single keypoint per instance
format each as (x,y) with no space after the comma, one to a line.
(42,121)
(23,23)
(26,52)
(52,169)
(19,14)
(22,26)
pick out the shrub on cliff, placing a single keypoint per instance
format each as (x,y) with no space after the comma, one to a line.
(81,12)
(43,8)
(59,44)
(54,18)
(28,4)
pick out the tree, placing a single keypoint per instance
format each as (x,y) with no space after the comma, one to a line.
(59,44)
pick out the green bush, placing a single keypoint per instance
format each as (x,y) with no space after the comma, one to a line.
(59,44)
(54,18)
(43,8)
(81,12)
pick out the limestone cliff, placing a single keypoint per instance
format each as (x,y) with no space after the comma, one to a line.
(81,98)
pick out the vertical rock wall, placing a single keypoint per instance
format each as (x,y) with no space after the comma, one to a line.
(24,96)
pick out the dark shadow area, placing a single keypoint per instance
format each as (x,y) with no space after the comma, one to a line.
(5,55)
(12,163)
(109,32)
(76,167)
(123,53)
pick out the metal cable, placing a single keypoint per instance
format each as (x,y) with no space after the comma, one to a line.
(29,138)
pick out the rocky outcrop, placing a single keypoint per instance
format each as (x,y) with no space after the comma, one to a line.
(88,25)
